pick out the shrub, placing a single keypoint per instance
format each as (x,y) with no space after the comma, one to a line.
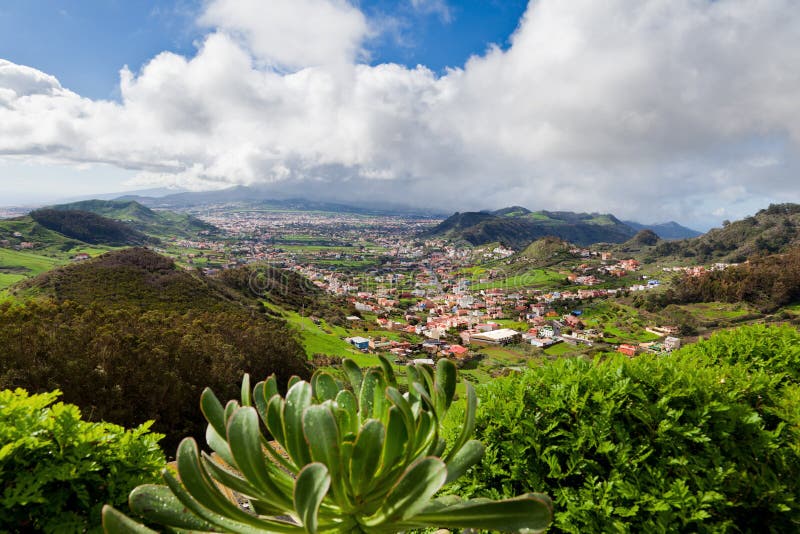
(58,470)
(775,349)
(683,443)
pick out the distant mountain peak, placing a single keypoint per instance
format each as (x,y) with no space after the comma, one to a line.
(667,230)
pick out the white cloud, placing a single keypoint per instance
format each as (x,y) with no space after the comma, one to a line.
(655,110)
(439,7)
(292,33)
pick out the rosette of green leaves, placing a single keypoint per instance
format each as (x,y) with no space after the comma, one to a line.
(364,458)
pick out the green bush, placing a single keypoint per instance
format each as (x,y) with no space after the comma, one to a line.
(686,443)
(771,348)
(57,470)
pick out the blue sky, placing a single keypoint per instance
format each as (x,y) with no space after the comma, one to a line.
(653,110)
(84,43)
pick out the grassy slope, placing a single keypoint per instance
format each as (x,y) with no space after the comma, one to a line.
(161,224)
(16,266)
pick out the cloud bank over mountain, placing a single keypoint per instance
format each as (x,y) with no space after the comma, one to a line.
(656,110)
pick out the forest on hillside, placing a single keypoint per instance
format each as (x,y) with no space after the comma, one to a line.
(769,282)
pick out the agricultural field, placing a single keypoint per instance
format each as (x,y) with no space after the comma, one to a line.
(16,266)
(530,279)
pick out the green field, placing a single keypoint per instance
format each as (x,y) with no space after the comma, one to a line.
(621,323)
(16,266)
(533,278)
(560,349)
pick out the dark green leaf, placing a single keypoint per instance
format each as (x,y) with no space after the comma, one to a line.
(312,485)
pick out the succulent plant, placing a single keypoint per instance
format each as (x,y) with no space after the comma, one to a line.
(362,459)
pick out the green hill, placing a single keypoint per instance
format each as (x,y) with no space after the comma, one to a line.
(155,223)
(771,230)
(643,241)
(18,230)
(668,230)
(517,227)
(28,248)
(130,337)
(546,250)
(286,290)
(133,277)
(90,227)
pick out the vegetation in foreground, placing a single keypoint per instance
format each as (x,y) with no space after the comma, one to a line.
(58,470)
(704,440)
(365,458)
(128,337)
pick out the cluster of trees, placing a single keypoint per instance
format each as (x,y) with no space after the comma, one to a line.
(135,277)
(705,440)
(770,231)
(286,289)
(768,282)
(90,228)
(125,365)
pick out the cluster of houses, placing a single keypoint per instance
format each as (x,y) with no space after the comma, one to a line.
(406,352)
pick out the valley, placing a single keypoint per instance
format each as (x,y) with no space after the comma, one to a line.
(391,286)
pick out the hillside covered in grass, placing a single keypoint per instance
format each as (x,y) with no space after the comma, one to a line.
(141,218)
(90,228)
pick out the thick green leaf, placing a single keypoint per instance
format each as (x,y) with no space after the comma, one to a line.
(426,398)
(343,421)
(115,522)
(469,421)
(532,512)
(230,407)
(260,401)
(404,408)
(244,438)
(353,372)
(270,387)
(294,379)
(366,455)
(236,483)
(219,445)
(470,454)
(426,376)
(250,525)
(322,435)
(395,443)
(412,492)
(347,401)
(446,378)
(275,425)
(324,386)
(388,371)
(426,434)
(366,398)
(297,400)
(309,491)
(246,398)
(412,377)
(213,411)
(159,505)
(200,485)
(437,447)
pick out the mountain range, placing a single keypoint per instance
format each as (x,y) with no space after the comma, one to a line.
(517,227)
